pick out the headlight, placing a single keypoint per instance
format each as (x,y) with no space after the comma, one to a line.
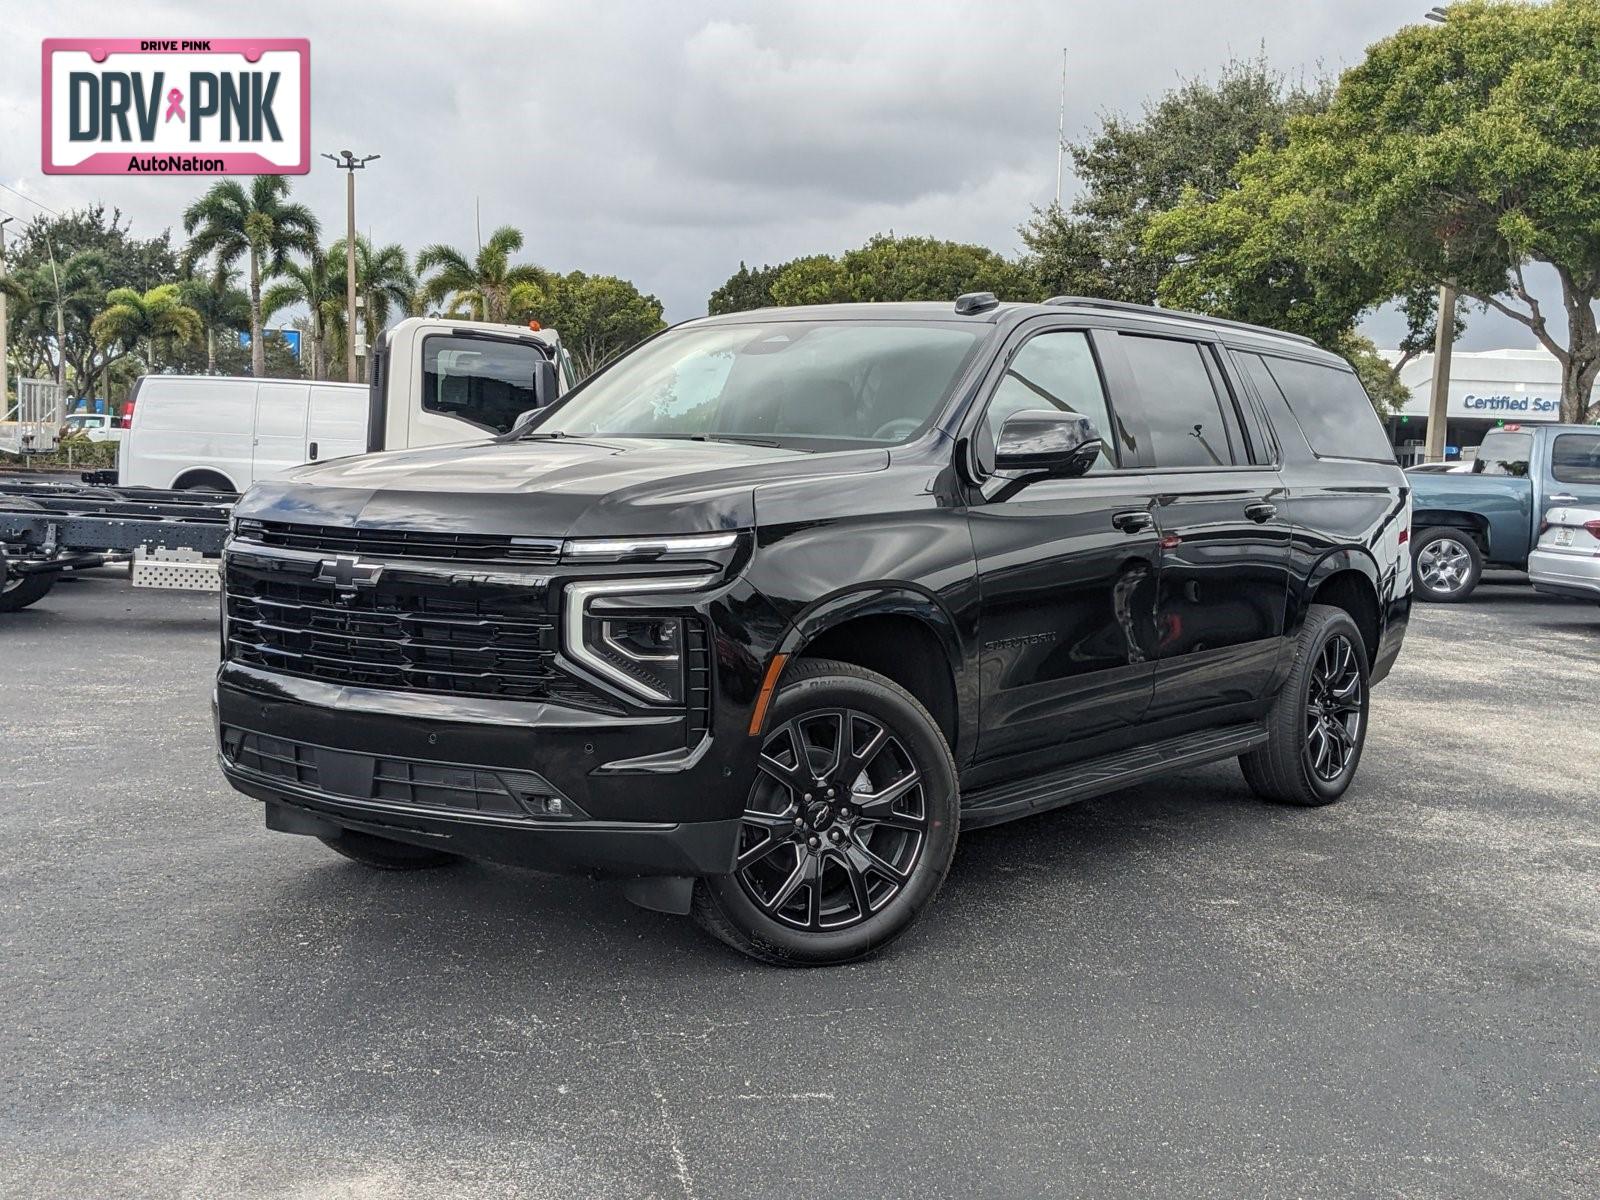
(640,651)
(653,547)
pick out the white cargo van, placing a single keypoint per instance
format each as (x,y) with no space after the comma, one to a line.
(434,381)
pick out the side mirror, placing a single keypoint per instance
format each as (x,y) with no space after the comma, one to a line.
(545,385)
(1060,444)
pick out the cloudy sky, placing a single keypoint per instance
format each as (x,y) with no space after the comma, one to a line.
(665,142)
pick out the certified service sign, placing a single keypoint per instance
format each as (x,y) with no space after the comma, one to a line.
(216,106)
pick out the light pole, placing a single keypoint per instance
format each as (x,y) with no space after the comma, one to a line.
(1061,126)
(4,406)
(347,161)
(1444,337)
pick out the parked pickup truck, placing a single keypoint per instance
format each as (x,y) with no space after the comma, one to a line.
(1493,515)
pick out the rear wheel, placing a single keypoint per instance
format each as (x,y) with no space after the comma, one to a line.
(849,825)
(23,590)
(1318,724)
(385,855)
(1446,565)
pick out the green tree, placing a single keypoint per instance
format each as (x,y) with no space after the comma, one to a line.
(260,224)
(480,287)
(1189,141)
(384,283)
(134,320)
(53,307)
(310,284)
(597,316)
(221,307)
(87,252)
(746,289)
(1463,152)
(903,268)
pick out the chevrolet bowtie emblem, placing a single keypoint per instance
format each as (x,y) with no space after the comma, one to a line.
(348,574)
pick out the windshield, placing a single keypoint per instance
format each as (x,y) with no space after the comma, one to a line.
(1504,453)
(807,384)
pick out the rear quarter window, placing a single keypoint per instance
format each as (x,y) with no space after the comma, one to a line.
(1575,458)
(1331,408)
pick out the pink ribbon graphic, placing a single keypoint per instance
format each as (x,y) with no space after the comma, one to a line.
(175,105)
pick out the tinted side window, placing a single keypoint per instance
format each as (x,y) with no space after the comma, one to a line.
(1504,453)
(479,380)
(1332,408)
(1055,371)
(1177,402)
(1575,458)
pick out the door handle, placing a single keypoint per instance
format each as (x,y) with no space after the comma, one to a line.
(1261,512)
(1133,520)
(1562,498)
(313,452)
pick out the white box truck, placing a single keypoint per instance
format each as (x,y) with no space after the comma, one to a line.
(434,381)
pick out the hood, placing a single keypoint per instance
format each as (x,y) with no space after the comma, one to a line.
(560,487)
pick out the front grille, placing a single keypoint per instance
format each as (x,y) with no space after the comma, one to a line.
(403,543)
(473,639)
(396,780)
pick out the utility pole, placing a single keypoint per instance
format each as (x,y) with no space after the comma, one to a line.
(61,324)
(1444,338)
(5,406)
(1061,126)
(346,161)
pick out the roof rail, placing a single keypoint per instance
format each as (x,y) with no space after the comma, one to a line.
(1181,314)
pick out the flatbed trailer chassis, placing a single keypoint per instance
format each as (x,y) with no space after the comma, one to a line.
(171,539)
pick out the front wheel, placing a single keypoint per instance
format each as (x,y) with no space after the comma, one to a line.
(1318,724)
(849,825)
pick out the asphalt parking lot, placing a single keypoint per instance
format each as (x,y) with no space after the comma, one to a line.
(1174,991)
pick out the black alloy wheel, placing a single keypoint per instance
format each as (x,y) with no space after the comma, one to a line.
(1318,724)
(835,822)
(1335,710)
(850,822)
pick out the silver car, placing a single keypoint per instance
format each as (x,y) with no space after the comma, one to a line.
(1566,562)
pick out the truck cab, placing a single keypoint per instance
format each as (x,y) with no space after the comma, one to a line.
(435,381)
(1491,517)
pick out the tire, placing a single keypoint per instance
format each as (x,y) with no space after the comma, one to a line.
(1446,565)
(18,593)
(820,881)
(1328,685)
(385,855)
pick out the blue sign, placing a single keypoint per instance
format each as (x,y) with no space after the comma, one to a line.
(289,337)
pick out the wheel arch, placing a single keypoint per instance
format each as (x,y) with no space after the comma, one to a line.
(199,477)
(1350,580)
(1471,523)
(872,626)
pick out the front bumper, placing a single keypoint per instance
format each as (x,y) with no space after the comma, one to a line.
(1574,575)
(477,778)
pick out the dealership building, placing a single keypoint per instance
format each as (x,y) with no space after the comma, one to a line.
(1487,388)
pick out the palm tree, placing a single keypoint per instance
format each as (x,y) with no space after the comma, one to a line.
(260,223)
(132,316)
(221,307)
(480,288)
(310,284)
(55,303)
(383,280)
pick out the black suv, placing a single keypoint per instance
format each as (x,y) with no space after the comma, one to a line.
(760,616)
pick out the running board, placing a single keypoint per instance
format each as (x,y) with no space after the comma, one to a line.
(1081,781)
